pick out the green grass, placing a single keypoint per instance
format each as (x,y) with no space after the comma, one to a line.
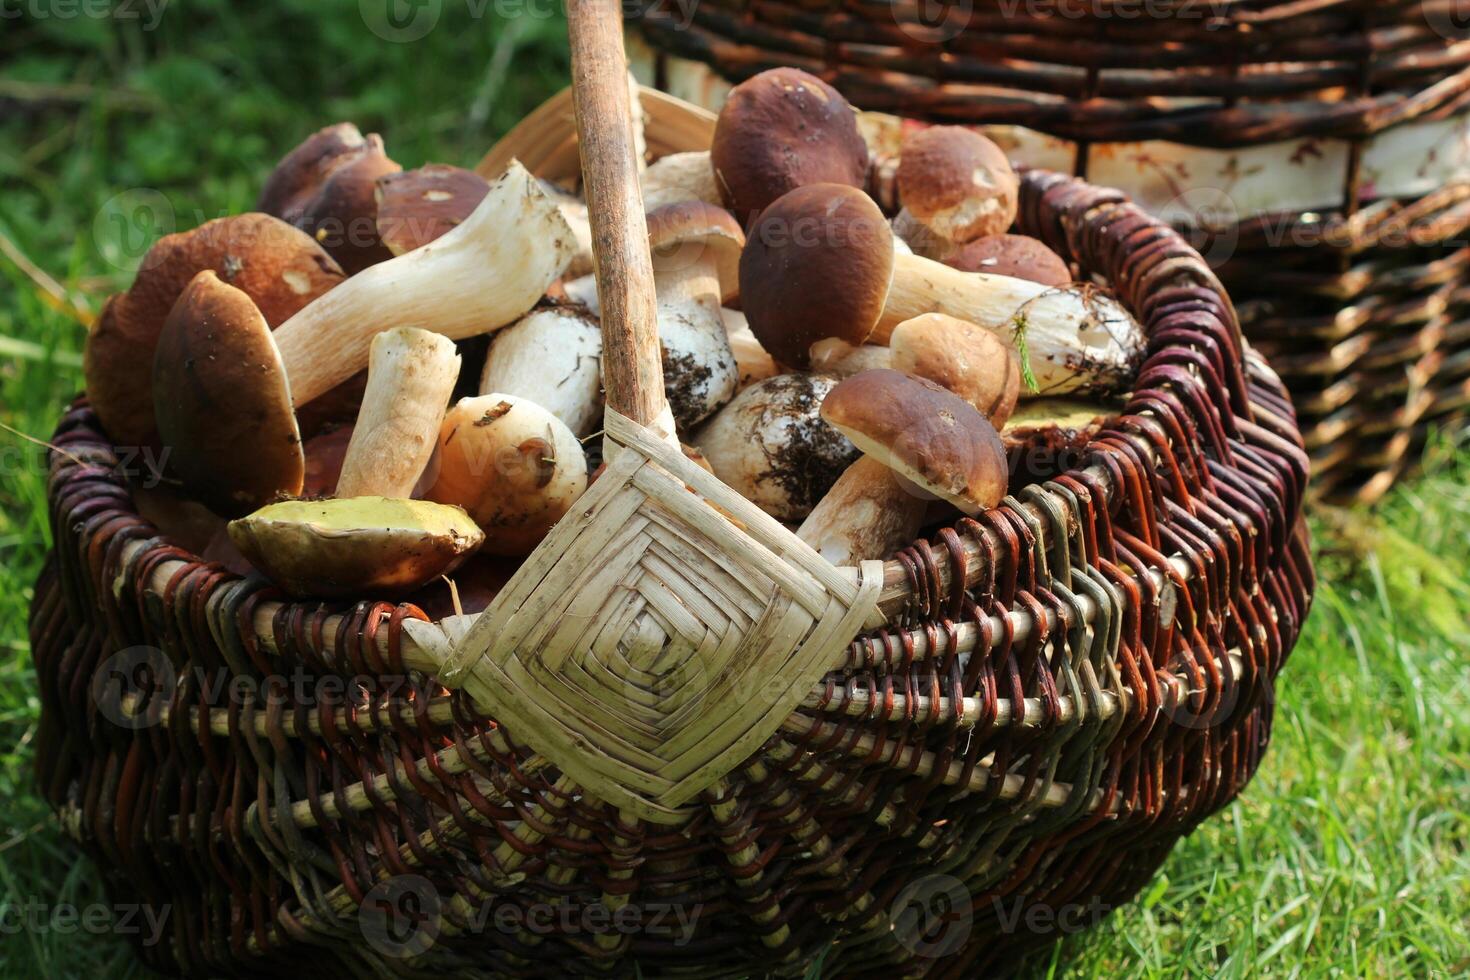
(1347,856)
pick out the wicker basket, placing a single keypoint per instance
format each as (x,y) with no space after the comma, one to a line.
(665,715)
(1316,152)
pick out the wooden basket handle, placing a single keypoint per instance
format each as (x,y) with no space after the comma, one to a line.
(632,366)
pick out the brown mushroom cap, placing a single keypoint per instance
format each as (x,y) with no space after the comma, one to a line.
(222,401)
(326,187)
(782,129)
(687,232)
(817,264)
(277,266)
(417,206)
(355,546)
(957,183)
(924,433)
(967,359)
(1012,255)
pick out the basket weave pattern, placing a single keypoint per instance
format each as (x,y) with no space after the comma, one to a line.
(1062,689)
(1361,306)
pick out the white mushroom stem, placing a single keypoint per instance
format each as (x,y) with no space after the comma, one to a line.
(752,361)
(1077,339)
(867,515)
(836,356)
(918,239)
(552,357)
(411,374)
(574,210)
(700,370)
(680,177)
(475,279)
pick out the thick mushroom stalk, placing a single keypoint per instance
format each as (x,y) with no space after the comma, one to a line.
(867,515)
(680,177)
(820,263)
(411,374)
(475,279)
(696,250)
(554,358)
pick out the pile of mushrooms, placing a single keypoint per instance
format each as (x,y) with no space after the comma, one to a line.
(385,376)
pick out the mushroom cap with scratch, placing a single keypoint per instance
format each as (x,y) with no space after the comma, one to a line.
(781,129)
(223,402)
(924,433)
(417,206)
(355,546)
(817,264)
(512,465)
(280,268)
(957,183)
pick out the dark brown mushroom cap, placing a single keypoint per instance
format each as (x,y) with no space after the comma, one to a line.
(1012,255)
(957,183)
(782,129)
(817,264)
(417,206)
(686,232)
(277,266)
(300,173)
(222,400)
(924,433)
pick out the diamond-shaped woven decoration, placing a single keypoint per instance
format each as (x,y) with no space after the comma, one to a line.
(651,643)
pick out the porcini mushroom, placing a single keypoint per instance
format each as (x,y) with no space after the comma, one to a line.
(837,357)
(696,254)
(222,402)
(326,188)
(411,374)
(869,513)
(475,279)
(926,434)
(970,361)
(1012,255)
(752,361)
(820,263)
(679,177)
(781,129)
(771,445)
(353,547)
(514,466)
(279,267)
(415,207)
(553,357)
(955,186)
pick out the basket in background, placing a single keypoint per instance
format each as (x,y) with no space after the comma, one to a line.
(1317,153)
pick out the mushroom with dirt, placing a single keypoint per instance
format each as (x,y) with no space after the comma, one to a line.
(277,266)
(820,263)
(771,445)
(696,259)
(781,129)
(512,465)
(552,356)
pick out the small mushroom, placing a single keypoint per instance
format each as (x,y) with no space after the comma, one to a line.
(781,129)
(955,186)
(326,188)
(837,357)
(411,374)
(970,361)
(696,254)
(416,207)
(355,546)
(553,357)
(222,401)
(924,433)
(1012,255)
(771,445)
(514,466)
(869,513)
(679,177)
(751,359)
(279,267)
(820,263)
